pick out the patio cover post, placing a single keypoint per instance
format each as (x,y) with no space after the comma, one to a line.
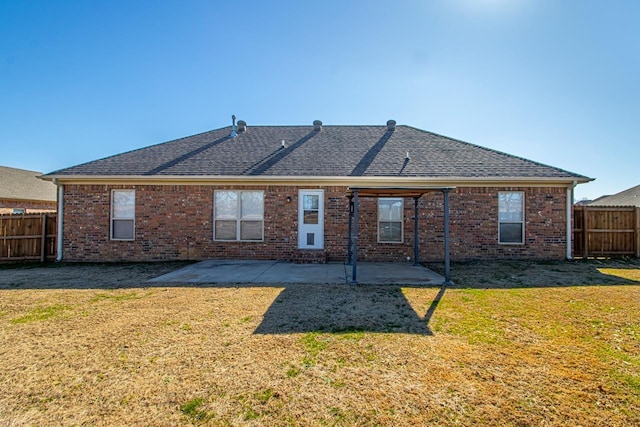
(416,193)
(447,260)
(349,251)
(354,255)
(416,253)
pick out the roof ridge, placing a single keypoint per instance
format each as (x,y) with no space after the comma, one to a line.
(305,126)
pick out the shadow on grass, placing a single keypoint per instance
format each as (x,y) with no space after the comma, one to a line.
(345,308)
(543,274)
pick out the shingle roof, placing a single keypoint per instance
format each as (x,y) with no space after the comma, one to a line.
(334,151)
(630,197)
(20,184)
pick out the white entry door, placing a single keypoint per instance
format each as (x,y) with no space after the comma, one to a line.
(311,219)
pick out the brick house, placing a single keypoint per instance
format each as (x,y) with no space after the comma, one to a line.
(21,192)
(297,193)
(628,197)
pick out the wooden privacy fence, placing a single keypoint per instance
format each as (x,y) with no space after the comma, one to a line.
(606,231)
(28,237)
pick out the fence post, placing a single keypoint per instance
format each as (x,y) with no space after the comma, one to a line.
(637,231)
(43,238)
(585,232)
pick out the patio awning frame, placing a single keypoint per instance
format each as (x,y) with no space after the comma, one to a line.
(354,193)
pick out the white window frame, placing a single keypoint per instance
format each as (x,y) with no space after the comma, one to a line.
(238,219)
(401,220)
(502,194)
(115,217)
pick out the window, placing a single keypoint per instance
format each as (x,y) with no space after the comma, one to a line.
(18,211)
(390,216)
(238,215)
(511,217)
(311,206)
(123,213)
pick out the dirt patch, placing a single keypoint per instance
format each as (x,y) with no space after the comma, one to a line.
(95,345)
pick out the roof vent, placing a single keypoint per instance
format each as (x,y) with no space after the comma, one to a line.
(233,127)
(242,126)
(391,125)
(317,125)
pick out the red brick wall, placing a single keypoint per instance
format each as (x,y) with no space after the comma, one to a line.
(474,224)
(7,206)
(176,222)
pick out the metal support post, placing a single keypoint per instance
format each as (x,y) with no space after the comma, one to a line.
(349,245)
(447,256)
(416,249)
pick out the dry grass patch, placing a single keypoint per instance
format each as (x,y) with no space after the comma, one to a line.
(561,349)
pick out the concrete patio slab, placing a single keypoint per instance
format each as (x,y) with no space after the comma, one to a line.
(216,271)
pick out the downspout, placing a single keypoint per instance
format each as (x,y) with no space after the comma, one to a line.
(60,218)
(569,216)
(354,254)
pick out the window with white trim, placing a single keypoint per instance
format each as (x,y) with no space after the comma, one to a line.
(238,215)
(123,213)
(390,220)
(511,217)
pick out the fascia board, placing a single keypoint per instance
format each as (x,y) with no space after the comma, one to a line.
(313,180)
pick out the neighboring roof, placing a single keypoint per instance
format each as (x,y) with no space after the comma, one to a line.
(20,184)
(333,151)
(630,197)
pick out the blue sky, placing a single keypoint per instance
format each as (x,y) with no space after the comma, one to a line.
(556,81)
